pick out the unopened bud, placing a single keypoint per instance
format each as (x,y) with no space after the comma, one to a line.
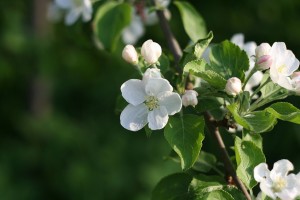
(151,73)
(264,62)
(151,51)
(263,57)
(190,98)
(129,54)
(233,86)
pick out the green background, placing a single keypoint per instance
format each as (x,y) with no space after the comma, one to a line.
(60,133)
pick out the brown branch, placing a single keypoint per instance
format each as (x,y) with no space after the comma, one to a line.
(212,124)
(224,154)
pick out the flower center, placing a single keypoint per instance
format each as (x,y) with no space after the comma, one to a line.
(281,68)
(151,102)
(279,184)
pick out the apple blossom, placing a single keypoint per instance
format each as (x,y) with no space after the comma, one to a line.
(130,55)
(263,57)
(150,100)
(284,63)
(190,98)
(74,9)
(233,86)
(151,51)
(277,183)
(151,73)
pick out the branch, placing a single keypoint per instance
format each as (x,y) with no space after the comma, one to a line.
(177,53)
(224,154)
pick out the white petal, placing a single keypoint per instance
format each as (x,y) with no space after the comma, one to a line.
(281,168)
(292,188)
(133,91)
(285,195)
(134,31)
(87,11)
(238,39)
(255,79)
(285,82)
(64,4)
(291,63)
(134,118)
(278,49)
(250,47)
(150,17)
(72,16)
(261,172)
(274,74)
(158,118)
(157,85)
(267,190)
(171,101)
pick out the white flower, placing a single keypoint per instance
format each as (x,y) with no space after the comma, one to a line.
(151,73)
(277,182)
(296,82)
(284,63)
(129,54)
(233,86)
(74,9)
(190,98)
(249,48)
(151,51)
(150,101)
(263,57)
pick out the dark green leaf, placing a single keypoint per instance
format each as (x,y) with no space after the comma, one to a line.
(111,18)
(205,162)
(200,46)
(248,156)
(228,60)
(193,22)
(185,135)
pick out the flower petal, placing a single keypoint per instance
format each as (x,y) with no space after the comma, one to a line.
(250,47)
(72,16)
(87,11)
(158,118)
(171,101)
(267,190)
(64,4)
(281,168)
(133,91)
(261,172)
(132,33)
(134,118)
(292,189)
(238,39)
(157,85)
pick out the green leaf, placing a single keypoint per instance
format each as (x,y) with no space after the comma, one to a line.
(185,135)
(208,103)
(257,122)
(228,60)
(111,18)
(193,22)
(285,111)
(183,186)
(199,47)
(205,162)
(200,68)
(253,137)
(173,187)
(164,63)
(248,156)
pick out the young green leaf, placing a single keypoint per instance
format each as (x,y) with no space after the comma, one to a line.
(257,122)
(200,68)
(185,135)
(193,22)
(228,60)
(248,156)
(285,111)
(111,18)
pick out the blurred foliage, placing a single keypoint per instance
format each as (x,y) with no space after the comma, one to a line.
(60,136)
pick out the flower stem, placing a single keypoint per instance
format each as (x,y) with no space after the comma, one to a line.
(248,77)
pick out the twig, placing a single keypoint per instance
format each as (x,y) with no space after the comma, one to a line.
(177,53)
(224,154)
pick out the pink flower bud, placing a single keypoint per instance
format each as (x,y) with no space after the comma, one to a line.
(151,51)
(264,62)
(129,54)
(233,86)
(263,57)
(190,98)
